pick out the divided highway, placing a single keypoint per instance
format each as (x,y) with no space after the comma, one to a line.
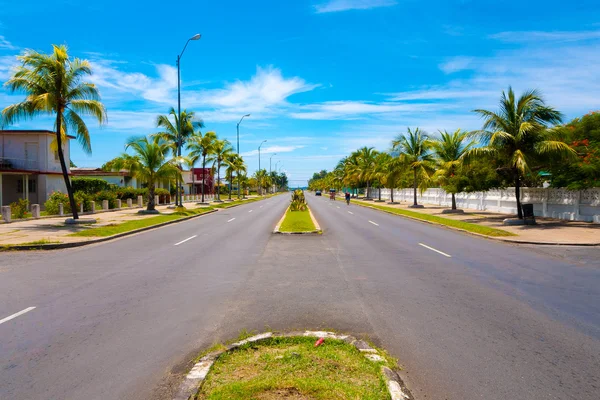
(469,318)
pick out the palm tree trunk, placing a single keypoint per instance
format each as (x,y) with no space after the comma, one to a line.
(230,179)
(368,190)
(518,194)
(379,193)
(203,177)
(415,186)
(392,194)
(63,166)
(218,180)
(453,202)
(151,192)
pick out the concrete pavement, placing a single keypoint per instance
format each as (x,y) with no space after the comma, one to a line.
(468,318)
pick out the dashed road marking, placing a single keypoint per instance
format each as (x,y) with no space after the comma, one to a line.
(350,212)
(15,315)
(231,219)
(183,241)
(432,249)
(250,211)
(374,223)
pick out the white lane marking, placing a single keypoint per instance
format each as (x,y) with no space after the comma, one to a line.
(338,206)
(183,241)
(432,249)
(15,315)
(260,206)
(231,219)
(350,212)
(374,223)
(250,211)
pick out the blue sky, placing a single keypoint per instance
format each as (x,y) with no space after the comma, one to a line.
(320,77)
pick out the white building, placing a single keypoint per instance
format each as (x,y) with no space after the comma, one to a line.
(29,168)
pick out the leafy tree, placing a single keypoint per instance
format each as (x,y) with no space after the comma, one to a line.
(170,129)
(518,135)
(234,165)
(366,165)
(53,84)
(72,164)
(149,163)
(449,152)
(414,150)
(583,136)
(202,145)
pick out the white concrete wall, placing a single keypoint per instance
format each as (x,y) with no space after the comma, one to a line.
(555,203)
(13,147)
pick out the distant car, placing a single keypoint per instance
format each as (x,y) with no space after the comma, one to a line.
(318,193)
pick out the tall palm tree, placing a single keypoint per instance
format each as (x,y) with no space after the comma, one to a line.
(449,151)
(414,149)
(395,174)
(261,177)
(149,163)
(53,84)
(518,136)
(366,167)
(202,145)
(221,150)
(235,165)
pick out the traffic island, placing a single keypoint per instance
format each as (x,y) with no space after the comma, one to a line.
(298,365)
(299,222)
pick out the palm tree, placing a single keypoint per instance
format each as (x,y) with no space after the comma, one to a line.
(414,151)
(381,170)
(395,173)
(365,157)
(221,150)
(235,164)
(518,136)
(261,177)
(202,145)
(149,163)
(449,151)
(53,84)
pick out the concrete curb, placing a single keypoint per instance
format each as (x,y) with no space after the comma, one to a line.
(496,238)
(56,246)
(194,379)
(317,231)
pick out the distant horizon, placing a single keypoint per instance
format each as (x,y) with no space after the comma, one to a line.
(320,78)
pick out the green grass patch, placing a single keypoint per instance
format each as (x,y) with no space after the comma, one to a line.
(115,229)
(297,221)
(281,367)
(467,226)
(42,241)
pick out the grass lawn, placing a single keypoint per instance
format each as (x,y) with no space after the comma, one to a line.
(115,229)
(297,221)
(279,368)
(481,229)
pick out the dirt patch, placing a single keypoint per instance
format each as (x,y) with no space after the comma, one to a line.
(287,393)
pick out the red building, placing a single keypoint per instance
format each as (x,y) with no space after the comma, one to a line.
(198,177)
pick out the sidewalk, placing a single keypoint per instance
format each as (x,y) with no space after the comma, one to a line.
(54,229)
(546,231)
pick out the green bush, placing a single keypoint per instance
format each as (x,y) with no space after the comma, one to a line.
(85,199)
(130,193)
(91,185)
(19,208)
(109,195)
(51,205)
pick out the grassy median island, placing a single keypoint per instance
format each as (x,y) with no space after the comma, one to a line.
(297,221)
(292,368)
(467,226)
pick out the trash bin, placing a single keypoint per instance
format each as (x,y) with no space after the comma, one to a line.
(528,212)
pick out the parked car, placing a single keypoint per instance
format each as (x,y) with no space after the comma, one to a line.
(318,193)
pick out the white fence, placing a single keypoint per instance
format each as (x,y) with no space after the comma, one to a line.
(583,205)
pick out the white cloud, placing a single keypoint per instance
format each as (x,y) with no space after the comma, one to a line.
(456,64)
(7,63)
(344,5)
(271,150)
(349,110)
(541,36)
(5,44)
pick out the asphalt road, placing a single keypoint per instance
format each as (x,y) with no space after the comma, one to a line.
(468,318)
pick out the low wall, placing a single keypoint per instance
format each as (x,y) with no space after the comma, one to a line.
(582,205)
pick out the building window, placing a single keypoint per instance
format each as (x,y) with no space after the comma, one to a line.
(32,186)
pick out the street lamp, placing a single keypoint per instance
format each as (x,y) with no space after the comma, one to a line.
(259,183)
(270,172)
(238,149)
(179,137)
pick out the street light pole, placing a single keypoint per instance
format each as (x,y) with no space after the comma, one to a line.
(238,150)
(260,181)
(178,196)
